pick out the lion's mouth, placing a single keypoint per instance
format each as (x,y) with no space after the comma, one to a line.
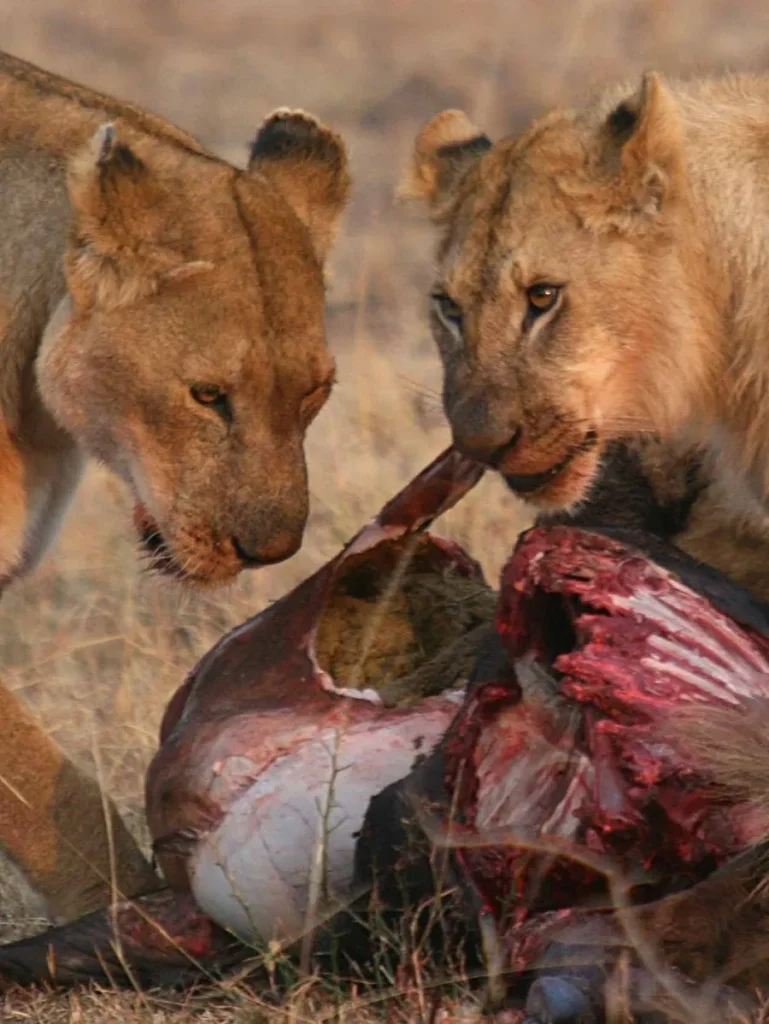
(159,554)
(528,483)
(154,545)
(200,570)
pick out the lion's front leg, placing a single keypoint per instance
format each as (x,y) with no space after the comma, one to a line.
(40,470)
(58,826)
(13,513)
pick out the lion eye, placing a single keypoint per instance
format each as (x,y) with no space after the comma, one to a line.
(214,397)
(447,310)
(542,297)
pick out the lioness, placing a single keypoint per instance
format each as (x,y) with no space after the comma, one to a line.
(606,274)
(162,311)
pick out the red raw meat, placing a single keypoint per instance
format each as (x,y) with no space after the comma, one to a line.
(579,742)
(627,644)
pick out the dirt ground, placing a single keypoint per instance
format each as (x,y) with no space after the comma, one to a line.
(93,646)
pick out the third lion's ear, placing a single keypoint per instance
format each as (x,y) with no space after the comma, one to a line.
(444,150)
(307,162)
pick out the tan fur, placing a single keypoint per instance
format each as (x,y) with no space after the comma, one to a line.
(730,746)
(648,208)
(719,534)
(135,267)
(725,528)
(57,826)
(14,499)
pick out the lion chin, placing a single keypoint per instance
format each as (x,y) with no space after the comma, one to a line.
(565,483)
(210,571)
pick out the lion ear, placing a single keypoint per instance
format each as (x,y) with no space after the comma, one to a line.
(113,194)
(647,129)
(307,163)
(117,251)
(444,150)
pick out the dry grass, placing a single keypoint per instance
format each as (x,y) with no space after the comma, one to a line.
(95,649)
(306,1006)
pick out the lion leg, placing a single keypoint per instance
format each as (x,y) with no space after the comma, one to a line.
(14,504)
(57,824)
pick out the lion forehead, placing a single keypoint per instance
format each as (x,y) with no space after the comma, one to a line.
(530,231)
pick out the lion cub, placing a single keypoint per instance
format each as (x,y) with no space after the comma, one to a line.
(606,274)
(163,312)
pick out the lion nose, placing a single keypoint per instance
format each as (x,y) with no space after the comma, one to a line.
(282,546)
(489,448)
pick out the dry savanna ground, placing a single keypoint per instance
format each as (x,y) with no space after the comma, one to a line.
(94,647)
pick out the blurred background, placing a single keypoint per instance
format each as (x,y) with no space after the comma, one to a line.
(91,644)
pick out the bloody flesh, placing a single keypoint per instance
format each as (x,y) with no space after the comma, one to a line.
(576,745)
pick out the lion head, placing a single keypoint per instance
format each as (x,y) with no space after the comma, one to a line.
(189,353)
(568,306)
